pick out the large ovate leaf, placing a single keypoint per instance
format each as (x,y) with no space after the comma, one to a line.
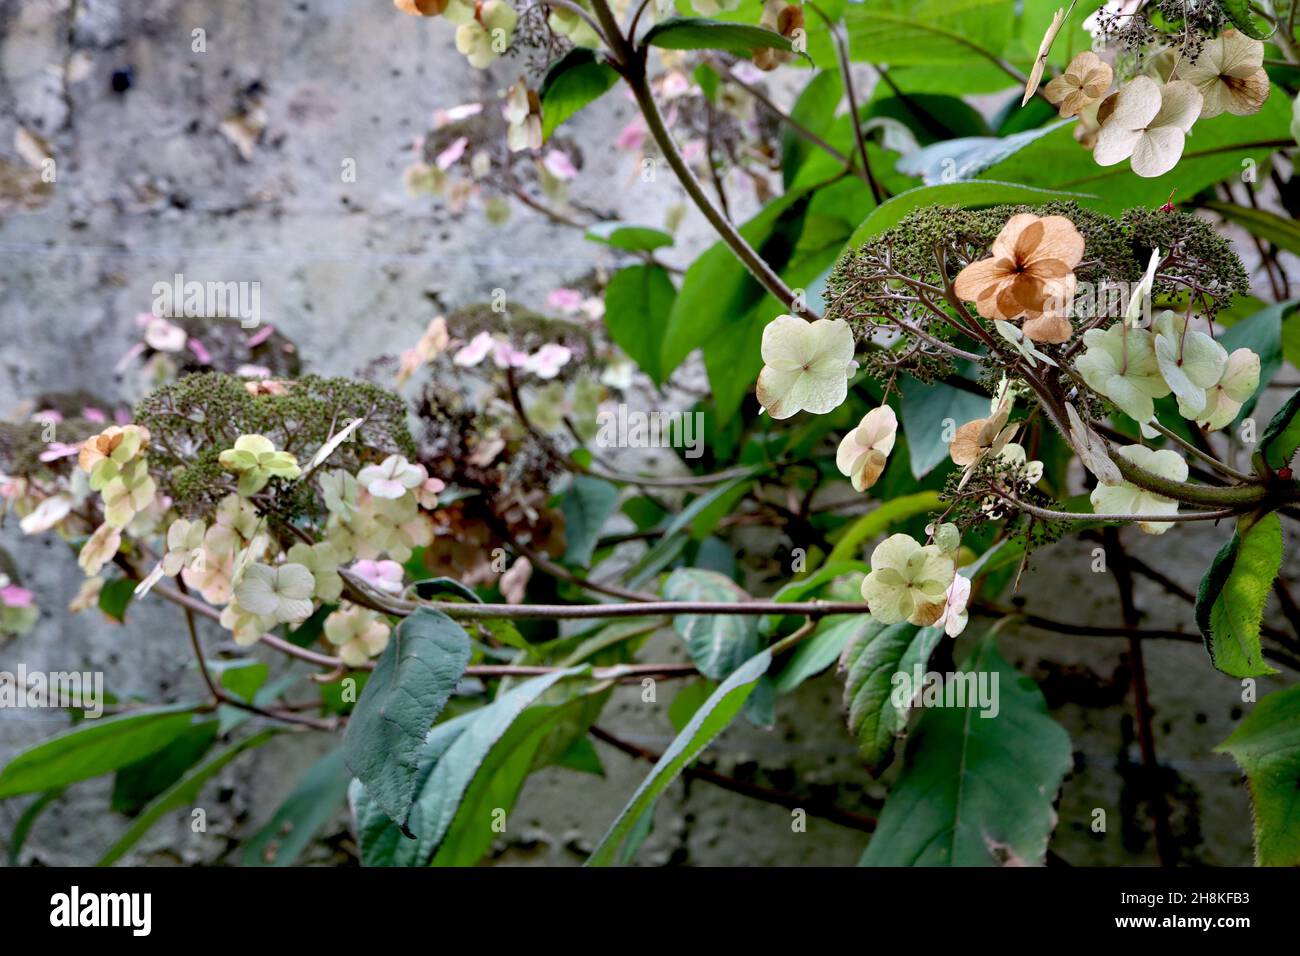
(447,763)
(950,33)
(92,748)
(720,643)
(957,159)
(975,194)
(587,505)
(700,33)
(976,790)
(138,783)
(629,236)
(1243,18)
(181,794)
(1230,601)
(1282,435)
(712,717)
(576,79)
(1266,745)
(931,413)
(638,303)
(409,687)
(871,663)
(314,800)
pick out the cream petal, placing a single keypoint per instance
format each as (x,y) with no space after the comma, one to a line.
(1157,151)
(1115,144)
(1180,105)
(1136,105)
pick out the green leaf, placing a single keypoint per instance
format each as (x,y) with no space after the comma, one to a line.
(968,156)
(976,790)
(407,690)
(92,748)
(1266,745)
(182,793)
(699,33)
(626,235)
(23,828)
(587,505)
(447,763)
(718,644)
(314,800)
(946,33)
(717,290)
(1230,601)
(1282,232)
(930,412)
(875,522)
(710,720)
(1282,436)
(872,664)
(1239,12)
(815,111)
(115,596)
(820,651)
(979,194)
(574,80)
(638,303)
(243,678)
(138,783)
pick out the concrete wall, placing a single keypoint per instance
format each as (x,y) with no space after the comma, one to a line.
(149,186)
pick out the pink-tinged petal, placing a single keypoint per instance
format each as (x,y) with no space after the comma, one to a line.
(260,336)
(449,156)
(200,351)
(14,596)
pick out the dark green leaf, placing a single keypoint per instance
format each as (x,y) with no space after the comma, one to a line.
(1267,747)
(1282,436)
(182,793)
(25,823)
(638,302)
(587,505)
(969,195)
(699,33)
(578,78)
(447,764)
(820,651)
(136,784)
(1230,601)
(314,800)
(976,790)
(718,644)
(931,413)
(873,664)
(407,690)
(1239,12)
(93,747)
(115,596)
(625,235)
(710,720)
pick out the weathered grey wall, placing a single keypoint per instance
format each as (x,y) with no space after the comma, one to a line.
(148,186)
